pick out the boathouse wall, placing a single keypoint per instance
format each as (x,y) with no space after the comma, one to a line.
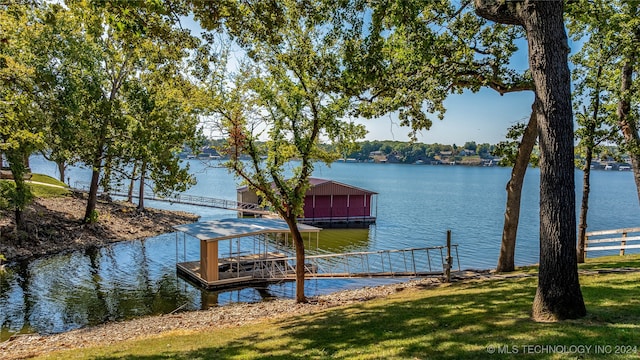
(326,199)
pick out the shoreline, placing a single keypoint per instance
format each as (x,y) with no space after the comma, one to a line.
(54,226)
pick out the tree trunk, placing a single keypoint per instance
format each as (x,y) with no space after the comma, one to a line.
(132,182)
(143,170)
(628,125)
(93,193)
(586,177)
(506,260)
(584,207)
(299,245)
(22,193)
(62,169)
(558,295)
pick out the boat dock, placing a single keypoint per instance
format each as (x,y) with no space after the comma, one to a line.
(268,257)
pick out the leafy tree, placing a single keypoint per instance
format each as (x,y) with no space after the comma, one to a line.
(20,128)
(558,295)
(592,67)
(470,145)
(485,149)
(592,132)
(163,116)
(289,93)
(120,41)
(425,50)
(413,54)
(612,28)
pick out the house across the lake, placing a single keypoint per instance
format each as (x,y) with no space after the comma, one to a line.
(330,203)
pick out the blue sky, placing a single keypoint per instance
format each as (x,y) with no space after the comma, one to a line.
(482,117)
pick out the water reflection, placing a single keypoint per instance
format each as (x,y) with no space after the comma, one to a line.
(68,291)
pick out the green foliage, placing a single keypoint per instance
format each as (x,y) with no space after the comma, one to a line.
(606,73)
(508,150)
(413,54)
(11,198)
(93,217)
(284,100)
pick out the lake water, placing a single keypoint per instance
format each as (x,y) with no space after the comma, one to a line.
(416,205)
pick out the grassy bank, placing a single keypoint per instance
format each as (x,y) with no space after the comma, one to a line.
(44,186)
(467,320)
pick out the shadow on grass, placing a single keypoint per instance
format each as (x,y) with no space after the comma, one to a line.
(488,319)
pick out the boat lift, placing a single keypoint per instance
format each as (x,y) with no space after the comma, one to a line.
(259,252)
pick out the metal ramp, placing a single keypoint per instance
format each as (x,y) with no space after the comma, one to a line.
(204,201)
(426,261)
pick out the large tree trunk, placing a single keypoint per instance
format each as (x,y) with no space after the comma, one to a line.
(299,245)
(93,190)
(93,196)
(506,260)
(628,125)
(558,295)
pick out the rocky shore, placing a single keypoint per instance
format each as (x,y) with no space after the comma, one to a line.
(53,225)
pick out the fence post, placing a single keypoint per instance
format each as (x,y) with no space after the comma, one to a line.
(623,243)
(447,266)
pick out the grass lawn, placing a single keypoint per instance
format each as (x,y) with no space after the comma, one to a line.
(40,190)
(470,320)
(60,188)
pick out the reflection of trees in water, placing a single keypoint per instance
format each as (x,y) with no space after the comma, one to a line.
(342,240)
(14,302)
(210,298)
(64,292)
(336,240)
(133,291)
(97,311)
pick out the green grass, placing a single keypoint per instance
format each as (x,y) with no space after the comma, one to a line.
(471,320)
(43,191)
(47,180)
(59,188)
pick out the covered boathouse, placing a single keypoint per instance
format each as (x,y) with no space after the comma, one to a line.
(239,252)
(329,203)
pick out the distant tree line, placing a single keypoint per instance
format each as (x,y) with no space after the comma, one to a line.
(408,152)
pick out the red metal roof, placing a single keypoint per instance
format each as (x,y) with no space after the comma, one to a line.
(327,187)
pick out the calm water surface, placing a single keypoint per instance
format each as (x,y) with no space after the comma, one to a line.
(416,205)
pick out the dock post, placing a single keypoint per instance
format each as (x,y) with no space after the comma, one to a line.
(447,266)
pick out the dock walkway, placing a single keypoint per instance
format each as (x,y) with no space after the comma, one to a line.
(187,200)
(413,262)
